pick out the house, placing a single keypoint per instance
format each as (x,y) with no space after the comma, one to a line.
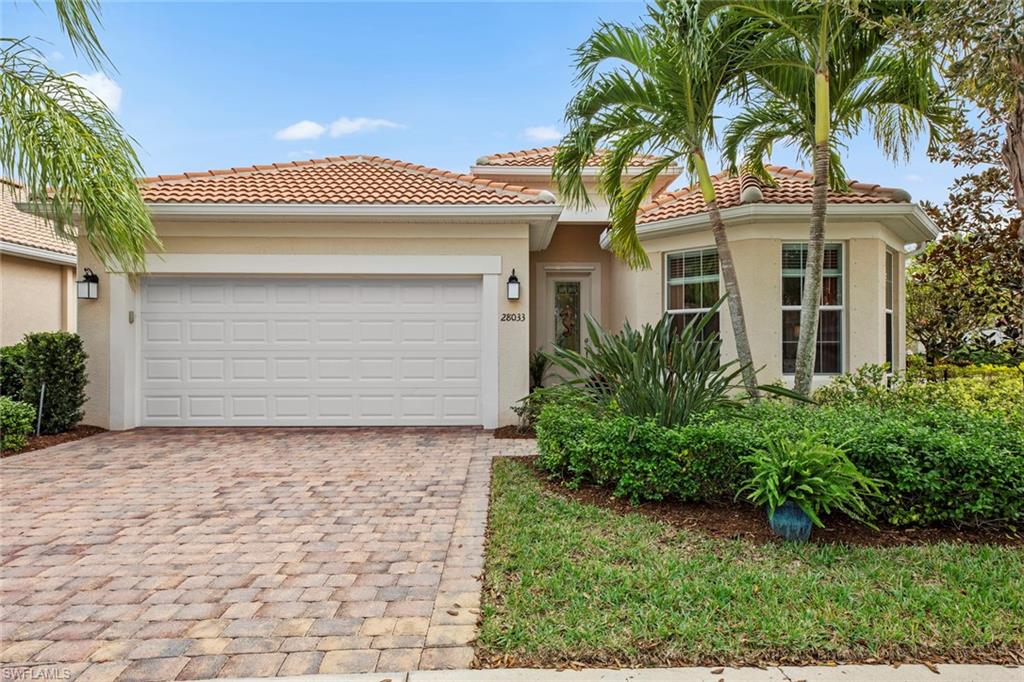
(359,290)
(37,272)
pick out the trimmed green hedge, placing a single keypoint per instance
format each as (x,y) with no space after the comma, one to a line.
(17,421)
(938,465)
(56,359)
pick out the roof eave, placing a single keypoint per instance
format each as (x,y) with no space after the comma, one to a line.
(545,171)
(908,221)
(542,218)
(36,253)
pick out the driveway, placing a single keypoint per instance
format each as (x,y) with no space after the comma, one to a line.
(192,553)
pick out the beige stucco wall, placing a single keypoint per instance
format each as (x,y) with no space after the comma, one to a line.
(508,241)
(35,296)
(639,296)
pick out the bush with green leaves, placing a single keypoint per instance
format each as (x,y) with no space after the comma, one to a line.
(817,477)
(654,372)
(994,390)
(935,464)
(11,360)
(17,422)
(56,360)
(638,459)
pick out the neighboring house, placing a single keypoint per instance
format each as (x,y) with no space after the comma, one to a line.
(360,290)
(37,272)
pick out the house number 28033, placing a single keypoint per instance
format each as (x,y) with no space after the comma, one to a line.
(513,317)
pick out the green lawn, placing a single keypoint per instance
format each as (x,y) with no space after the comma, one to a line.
(567,581)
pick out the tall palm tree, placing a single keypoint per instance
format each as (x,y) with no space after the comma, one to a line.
(822,75)
(659,95)
(66,147)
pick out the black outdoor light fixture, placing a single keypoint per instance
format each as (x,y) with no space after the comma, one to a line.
(513,286)
(89,285)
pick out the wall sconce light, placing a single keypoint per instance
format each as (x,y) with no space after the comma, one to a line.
(513,286)
(89,285)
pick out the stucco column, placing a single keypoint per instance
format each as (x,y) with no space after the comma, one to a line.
(865,303)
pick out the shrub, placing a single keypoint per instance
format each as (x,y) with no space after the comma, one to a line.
(56,360)
(11,360)
(986,389)
(637,458)
(654,372)
(816,477)
(529,408)
(937,464)
(17,421)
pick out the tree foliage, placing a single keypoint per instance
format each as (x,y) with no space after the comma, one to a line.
(78,165)
(969,284)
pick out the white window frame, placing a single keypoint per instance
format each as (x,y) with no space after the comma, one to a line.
(843,295)
(889,305)
(667,281)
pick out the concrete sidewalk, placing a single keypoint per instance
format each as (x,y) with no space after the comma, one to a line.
(841,673)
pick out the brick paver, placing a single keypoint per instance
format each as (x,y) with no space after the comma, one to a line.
(190,553)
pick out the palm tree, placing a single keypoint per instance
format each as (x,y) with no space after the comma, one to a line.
(669,74)
(822,75)
(76,162)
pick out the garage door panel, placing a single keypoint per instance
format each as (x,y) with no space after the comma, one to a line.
(293,352)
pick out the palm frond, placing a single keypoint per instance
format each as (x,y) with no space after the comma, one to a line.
(76,162)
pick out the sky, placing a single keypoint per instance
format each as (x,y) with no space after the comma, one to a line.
(204,85)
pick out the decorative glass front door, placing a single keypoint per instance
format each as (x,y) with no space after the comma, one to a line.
(567,315)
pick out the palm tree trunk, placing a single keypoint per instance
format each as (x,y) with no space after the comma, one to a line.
(732,290)
(732,285)
(807,345)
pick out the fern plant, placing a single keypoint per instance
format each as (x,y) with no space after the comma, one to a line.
(818,478)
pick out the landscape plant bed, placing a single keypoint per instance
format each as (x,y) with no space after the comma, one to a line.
(737,520)
(47,440)
(514,431)
(569,582)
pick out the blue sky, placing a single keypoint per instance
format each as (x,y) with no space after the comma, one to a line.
(212,85)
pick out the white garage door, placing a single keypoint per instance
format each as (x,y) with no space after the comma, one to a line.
(287,351)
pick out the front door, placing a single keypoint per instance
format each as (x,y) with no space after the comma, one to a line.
(568,300)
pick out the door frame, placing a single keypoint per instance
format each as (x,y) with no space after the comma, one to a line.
(545,274)
(125,347)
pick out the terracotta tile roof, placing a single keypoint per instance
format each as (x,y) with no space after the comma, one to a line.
(543,157)
(17,227)
(793,186)
(337,180)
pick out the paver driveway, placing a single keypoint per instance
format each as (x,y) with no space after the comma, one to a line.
(162,554)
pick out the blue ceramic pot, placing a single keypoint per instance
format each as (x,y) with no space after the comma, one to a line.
(790,522)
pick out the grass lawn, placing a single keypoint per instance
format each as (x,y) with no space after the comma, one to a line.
(567,581)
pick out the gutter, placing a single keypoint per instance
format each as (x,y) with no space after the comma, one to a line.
(35,253)
(912,215)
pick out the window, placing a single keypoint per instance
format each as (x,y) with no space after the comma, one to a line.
(692,287)
(890,296)
(829,356)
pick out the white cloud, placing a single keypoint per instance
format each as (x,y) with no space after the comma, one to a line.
(303,130)
(543,133)
(55,56)
(914,177)
(102,88)
(350,126)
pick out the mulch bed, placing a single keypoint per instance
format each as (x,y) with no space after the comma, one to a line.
(738,520)
(514,431)
(45,441)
